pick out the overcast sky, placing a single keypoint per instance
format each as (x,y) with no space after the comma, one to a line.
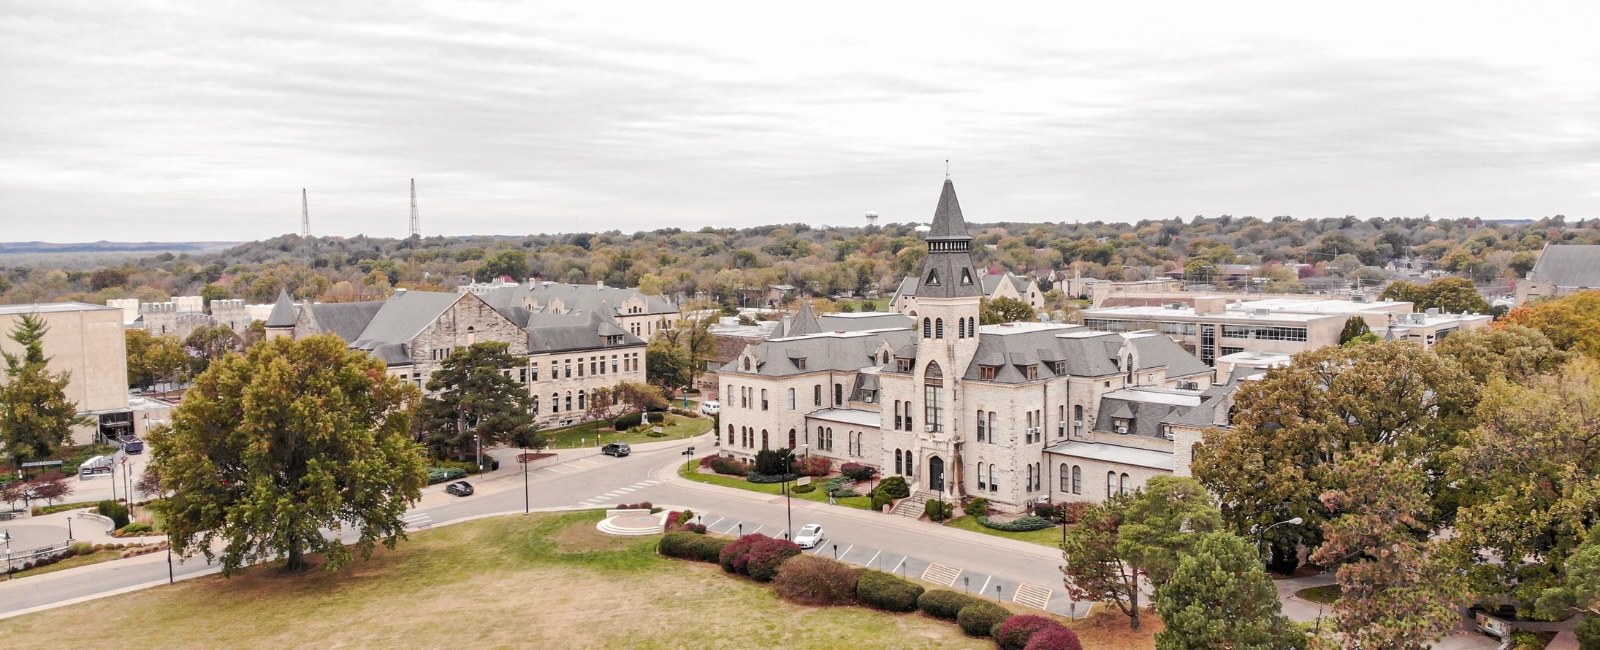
(187,120)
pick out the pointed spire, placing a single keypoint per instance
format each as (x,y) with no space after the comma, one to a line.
(947,219)
(284,311)
(805,321)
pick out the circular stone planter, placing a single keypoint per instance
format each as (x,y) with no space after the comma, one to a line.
(631,523)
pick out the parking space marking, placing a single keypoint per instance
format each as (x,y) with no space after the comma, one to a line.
(874,557)
(714,523)
(1032,596)
(985,584)
(845,553)
(941,574)
(585,460)
(897,566)
(557,469)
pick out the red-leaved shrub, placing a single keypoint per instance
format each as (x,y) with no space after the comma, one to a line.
(816,581)
(814,466)
(1015,632)
(733,555)
(1054,638)
(765,557)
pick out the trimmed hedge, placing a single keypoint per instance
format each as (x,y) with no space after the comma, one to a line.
(938,510)
(976,506)
(884,591)
(691,546)
(1054,638)
(730,466)
(981,617)
(857,471)
(1015,632)
(766,557)
(895,487)
(816,581)
(753,477)
(803,489)
(117,512)
(1022,525)
(943,603)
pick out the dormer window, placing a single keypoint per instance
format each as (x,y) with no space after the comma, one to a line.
(902,364)
(966,277)
(800,363)
(1058,367)
(747,364)
(933,278)
(987,372)
(1122,425)
(1031,371)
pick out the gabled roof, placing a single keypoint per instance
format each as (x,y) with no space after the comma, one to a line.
(576,331)
(404,316)
(575,297)
(346,319)
(848,352)
(1568,265)
(804,322)
(284,311)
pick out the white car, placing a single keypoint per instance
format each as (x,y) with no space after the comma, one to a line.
(712,407)
(809,536)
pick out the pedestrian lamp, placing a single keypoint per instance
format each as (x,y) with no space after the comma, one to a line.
(69,528)
(1261,540)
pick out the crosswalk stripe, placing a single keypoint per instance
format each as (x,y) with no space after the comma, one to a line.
(1032,596)
(939,573)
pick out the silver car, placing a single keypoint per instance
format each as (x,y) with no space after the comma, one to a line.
(809,536)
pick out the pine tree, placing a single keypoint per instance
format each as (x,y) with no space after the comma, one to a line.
(1221,597)
(472,400)
(1353,328)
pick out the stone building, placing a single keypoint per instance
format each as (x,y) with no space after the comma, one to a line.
(570,353)
(183,315)
(962,409)
(1004,285)
(1562,270)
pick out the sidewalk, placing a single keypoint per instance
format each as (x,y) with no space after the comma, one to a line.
(1299,609)
(509,476)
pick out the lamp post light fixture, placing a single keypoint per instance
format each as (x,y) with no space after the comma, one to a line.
(788,468)
(527,505)
(1261,540)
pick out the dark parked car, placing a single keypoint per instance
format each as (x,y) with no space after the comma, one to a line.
(618,449)
(459,488)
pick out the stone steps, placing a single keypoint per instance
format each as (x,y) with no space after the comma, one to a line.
(911,506)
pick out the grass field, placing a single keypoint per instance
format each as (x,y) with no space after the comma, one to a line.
(520,581)
(1048,537)
(1326,594)
(691,472)
(586,434)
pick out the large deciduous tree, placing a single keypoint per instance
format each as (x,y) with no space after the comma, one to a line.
(206,345)
(1354,327)
(1220,597)
(1533,460)
(473,399)
(1292,428)
(36,417)
(153,359)
(1514,352)
(1449,295)
(1135,538)
(271,447)
(1400,589)
(1572,323)
(1004,310)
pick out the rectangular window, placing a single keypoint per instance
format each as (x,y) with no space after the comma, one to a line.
(987,372)
(982,430)
(1031,371)
(902,365)
(580,366)
(567,365)
(533,371)
(1208,345)
(899,421)
(933,407)
(1227,350)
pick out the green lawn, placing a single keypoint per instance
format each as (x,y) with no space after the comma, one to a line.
(539,581)
(1048,537)
(589,434)
(1326,594)
(859,503)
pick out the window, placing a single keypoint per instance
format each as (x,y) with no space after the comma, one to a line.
(1124,484)
(569,400)
(1226,350)
(791,405)
(1028,482)
(981,483)
(1065,486)
(730,435)
(613,364)
(523,376)
(987,372)
(534,409)
(1264,332)
(581,404)
(982,430)
(763,399)
(972,327)
(816,395)
(555,403)
(1031,371)
(838,394)
(1038,476)
(764,440)
(961,328)
(568,367)
(933,397)
(993,487)
(1077,479)
(899,468)
(826,443)
(927,328)
(993,432)
(592,365)
(911,464)
(1111,484)
(899,421)
(938,328)
(902,365)
(533,371)
(933,278)
(966,276)
(791,439)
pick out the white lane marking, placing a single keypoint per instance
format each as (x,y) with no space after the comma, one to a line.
(557,469)
(585,460)
(985,585)
(897,566)
(874,557)
(757,530)
(846,552)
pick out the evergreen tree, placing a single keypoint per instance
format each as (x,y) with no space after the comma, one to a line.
(270,448)
(1221,597)
(1353,328)
(473,400)
(36,418)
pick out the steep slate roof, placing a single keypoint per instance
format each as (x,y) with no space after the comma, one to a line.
(949,258)
(804,322)
(947,219)
(575,331)
(284,312)
(346,319)
(862,322)
(1568,265)
(992,282)
(574,297)
(841,352)
(908,289)
(404,316)
(1156,351)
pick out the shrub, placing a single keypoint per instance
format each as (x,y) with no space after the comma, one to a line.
(698,529)
(690,546)
(814,466)
(840,487)
(81,548)
(642,505)
(981,617)
(732,558)
(1015,632)
(943,603)
(880,590)
(772,461)
(1022,525)
(135,529)
(816,581)
(757,477)
(1054,638)
(1588,631)
(117,512)
(706,461)
(879,500)
(1074,511)
(1049,511)
(729,466)
(976,506)
(803,489)
(766,557)
(857,471)
(938,510)
(895,487)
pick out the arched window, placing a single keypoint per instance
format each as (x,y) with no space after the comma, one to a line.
(899,420)
(927,328)
(791,399)
(747,364)
(938,328)
(961,328)
(1124,486)
(1029,484)
(838,394)
(911,464)
(933,397)
(1066,485)
(472,336)
(899,466)
(1130,368)
(820,437)
(791,439)
(1111,484)
(992,431)
(972,326)
(555,402)
(730,435)
(1038,476)
(1077,479)
(981,482)
(993,487)
(764,440)
(581,402)
(569,400)
(1077,415)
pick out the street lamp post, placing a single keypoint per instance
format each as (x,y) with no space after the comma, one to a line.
(1261,540)
(527,506)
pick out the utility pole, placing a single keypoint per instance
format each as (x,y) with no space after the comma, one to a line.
(416,220)
(305,215)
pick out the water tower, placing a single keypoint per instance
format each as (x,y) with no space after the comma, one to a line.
(872,220)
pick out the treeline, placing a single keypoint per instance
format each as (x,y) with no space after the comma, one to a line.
(819,261)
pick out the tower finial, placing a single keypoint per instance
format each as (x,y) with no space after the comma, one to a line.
(947,169)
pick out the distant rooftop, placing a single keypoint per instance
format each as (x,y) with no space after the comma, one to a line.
(51,307)
(1004,329)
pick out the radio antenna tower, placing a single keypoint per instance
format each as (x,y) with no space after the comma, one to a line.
(416,221)
(305,215)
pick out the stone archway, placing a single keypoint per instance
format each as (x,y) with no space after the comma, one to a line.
(936,474)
